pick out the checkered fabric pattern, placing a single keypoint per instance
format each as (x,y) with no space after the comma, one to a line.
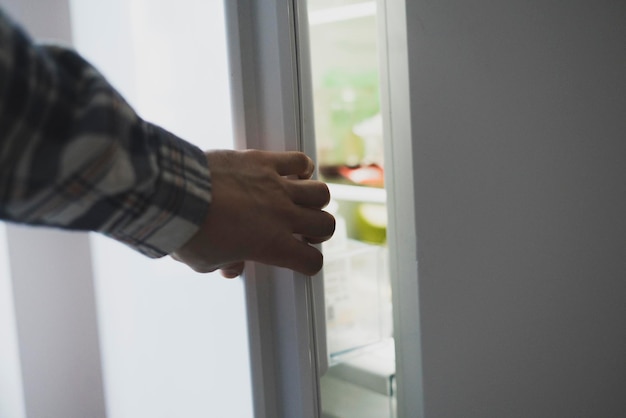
(74,155)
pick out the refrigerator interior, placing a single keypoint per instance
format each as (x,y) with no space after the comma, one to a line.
(343,38)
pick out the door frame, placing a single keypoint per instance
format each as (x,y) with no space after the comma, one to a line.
(399,182)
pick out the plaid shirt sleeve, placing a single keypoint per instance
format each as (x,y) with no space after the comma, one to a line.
(74,155)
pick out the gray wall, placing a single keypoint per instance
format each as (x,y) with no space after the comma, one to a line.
(519,138)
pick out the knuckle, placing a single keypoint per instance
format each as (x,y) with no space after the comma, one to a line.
(304,162)
(253,153)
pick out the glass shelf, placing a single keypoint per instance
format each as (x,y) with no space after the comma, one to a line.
(350,193)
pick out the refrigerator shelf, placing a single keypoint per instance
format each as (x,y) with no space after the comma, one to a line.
(350,193)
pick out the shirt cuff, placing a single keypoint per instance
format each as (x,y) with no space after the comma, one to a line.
(179,200)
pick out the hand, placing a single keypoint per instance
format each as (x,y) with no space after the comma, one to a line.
(262,202)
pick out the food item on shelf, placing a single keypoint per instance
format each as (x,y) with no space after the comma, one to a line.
(371,175)
(371,223)
(344,102)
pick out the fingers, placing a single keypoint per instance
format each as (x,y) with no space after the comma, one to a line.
(278,189)
(231,271)
(308,193)
(289,163)
(316,225)
(315,240)
(299,256)
(294,163)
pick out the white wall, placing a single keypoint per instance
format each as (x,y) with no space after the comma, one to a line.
(173,342)
(11,392)
(53,305)
(519,137)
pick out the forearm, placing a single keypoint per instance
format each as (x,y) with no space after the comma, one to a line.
(74,155)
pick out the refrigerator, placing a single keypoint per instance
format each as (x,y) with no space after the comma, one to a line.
(504,153)
(319,346)
(315,76)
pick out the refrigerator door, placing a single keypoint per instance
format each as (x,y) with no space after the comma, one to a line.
(361,95)
(268,80)
(296,371)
